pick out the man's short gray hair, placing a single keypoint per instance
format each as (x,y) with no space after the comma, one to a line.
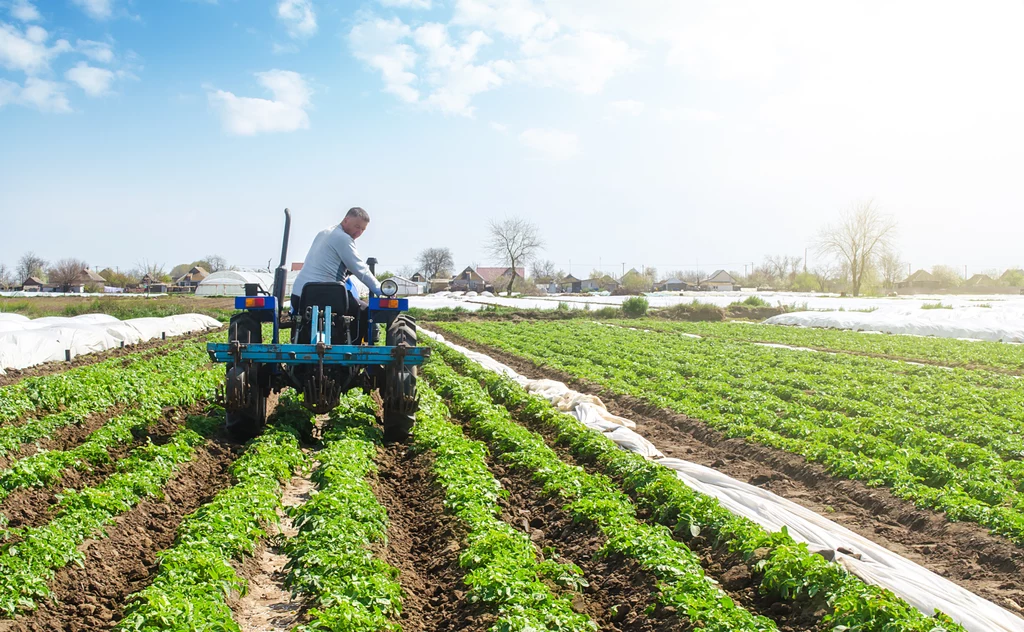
(358,213)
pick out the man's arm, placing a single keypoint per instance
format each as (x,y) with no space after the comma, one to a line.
(350,257)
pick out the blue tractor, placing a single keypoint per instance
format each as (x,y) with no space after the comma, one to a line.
(333,346)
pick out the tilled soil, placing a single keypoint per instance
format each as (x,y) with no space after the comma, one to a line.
(618,591)
(735,575)
(423,543)
(269,606)
(65,437)
(13,376)
(988,565)
(92,597)
(34,506)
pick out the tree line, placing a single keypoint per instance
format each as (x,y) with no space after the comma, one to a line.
(63,273)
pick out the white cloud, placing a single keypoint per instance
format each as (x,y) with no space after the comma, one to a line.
(43,95)
(406,4)
(97,9)
(298,17)
(451,71)
(553,144)
(28,51)
(583,61)
(627,107)
(673,115)
(94,81)
(512,18)
(25,11)
(247,116)
(378,43)
(96,51)
(501,128)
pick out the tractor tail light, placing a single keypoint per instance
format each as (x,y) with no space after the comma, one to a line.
(254,302)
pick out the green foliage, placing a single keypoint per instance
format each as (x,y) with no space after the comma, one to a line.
(635,307)
(502,567)
(695,311)
(331,559)
(174,379)
(189,591)
(945,351)
(32,554)
(938,305)
(789,569)
(593,498)
(893,424)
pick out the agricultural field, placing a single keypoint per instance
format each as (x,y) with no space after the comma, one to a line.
(126,507)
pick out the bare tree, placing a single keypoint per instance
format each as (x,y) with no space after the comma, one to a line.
(155,271)
(216,263)
(30,265)
(436,262)
(863,232)
(66,272)
(514,242)
(891,266)
(7,280)
(545,268)
(690,276)
(824,273)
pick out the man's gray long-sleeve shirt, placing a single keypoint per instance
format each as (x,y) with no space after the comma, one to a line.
(332,252)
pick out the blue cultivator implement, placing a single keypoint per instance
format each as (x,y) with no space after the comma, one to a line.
(332,348)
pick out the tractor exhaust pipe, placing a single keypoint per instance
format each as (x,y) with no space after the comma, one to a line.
(281,274)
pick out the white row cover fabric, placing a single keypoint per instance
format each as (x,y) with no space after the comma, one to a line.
(875,564)
(979,323)
(25,342)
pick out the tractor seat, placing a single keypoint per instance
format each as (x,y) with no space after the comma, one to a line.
(336,296)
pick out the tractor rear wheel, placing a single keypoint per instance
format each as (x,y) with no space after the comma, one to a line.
(399,393)
(244,391)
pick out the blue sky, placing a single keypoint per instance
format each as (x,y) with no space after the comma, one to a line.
(647,133)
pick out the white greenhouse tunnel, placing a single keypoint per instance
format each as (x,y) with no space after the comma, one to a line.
(25,342)
(873,563)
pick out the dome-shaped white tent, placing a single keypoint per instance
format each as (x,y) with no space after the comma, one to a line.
(232,283)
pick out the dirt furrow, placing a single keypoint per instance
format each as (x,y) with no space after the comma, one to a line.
(618,591)
(424,543)
(91,597)
(269,606)
(34,506)
(988,565)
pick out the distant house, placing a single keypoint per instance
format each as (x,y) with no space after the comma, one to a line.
(439,285)
(720,280)
(672,285)
(497,278)
(1012,276)
(35,284)
(921,280)
(84,278)
(296,266)
(979,281)
(192,278)
(468,280)
(599,284)
(419,277)
(570,284)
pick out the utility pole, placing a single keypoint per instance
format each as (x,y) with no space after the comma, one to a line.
(624,268)
(805,261)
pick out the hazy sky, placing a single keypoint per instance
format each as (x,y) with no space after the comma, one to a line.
(653,132)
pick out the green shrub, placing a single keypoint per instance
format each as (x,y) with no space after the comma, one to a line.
(938,305)
(635,307)
(695,311)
